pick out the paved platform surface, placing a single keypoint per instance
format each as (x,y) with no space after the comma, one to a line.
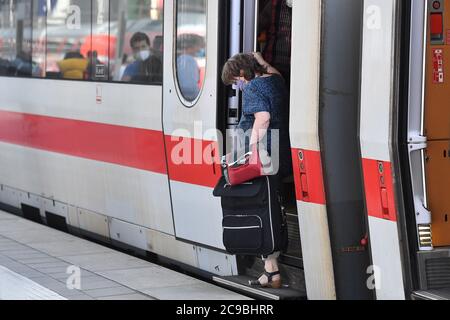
(40,263)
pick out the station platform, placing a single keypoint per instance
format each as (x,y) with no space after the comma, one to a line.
(40,263)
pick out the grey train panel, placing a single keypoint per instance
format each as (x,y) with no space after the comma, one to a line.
(339,114)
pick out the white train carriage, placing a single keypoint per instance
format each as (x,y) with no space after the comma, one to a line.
(109,157)
(101,156)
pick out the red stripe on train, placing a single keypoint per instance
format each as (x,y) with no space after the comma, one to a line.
(379,189)
(308,176)
(193,161)
(130,147)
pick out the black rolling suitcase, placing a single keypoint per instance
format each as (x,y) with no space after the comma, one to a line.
(253,221)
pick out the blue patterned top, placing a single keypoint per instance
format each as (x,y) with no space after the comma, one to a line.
(269,94)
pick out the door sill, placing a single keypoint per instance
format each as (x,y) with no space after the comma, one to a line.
(240,284)
(436,295)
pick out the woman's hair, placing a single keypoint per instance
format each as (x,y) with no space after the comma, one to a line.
(241,65)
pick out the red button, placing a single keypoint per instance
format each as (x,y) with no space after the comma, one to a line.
(436,23)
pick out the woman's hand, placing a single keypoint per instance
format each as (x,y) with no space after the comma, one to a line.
(259,57)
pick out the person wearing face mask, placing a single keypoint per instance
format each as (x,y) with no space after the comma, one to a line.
(191,48)
(146,68)
(264,122)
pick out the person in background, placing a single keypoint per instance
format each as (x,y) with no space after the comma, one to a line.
(74,66)
(190,47)
(23,66)
(147,68)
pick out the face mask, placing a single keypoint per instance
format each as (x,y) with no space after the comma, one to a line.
(201,53)
(143,55)
(289,3)
(241,84)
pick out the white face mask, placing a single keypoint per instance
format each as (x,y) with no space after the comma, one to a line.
(289,3)
(143,55)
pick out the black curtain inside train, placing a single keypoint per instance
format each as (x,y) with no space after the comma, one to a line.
(339,128)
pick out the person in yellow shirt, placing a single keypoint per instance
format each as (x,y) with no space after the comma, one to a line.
(74,66)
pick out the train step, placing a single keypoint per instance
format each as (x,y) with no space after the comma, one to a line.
(240,284)
(441,294)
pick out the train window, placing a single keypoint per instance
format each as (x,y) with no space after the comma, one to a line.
(102,40)
(16,39)
(97,48)
(190,48)
(68,39)
(136,28)
(39,38)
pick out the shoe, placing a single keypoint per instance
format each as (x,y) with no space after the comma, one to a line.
(271,284)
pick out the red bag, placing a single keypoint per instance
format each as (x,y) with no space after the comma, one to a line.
(245,169)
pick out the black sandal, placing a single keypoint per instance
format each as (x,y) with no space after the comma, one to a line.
(271,283)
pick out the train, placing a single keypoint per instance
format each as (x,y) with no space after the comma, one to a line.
(96,156)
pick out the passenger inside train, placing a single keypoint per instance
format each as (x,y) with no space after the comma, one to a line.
(190,47)
(73,66)
(147,68)
(23,66)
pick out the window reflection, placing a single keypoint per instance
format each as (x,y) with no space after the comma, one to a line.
(68,31)
(191,46)
(16,39)
(101,40)
(137,26)
(98,50)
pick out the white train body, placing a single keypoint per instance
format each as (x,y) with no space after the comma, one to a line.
(101,155)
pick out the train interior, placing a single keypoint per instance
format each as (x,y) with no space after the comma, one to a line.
(425,140)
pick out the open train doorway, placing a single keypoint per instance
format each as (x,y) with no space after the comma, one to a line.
(274,34)
(274,41)
(263,26)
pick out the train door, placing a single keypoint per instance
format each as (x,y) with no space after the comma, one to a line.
(377,137)
(247,23)
(340,150)
(273,37)
(324,132)
(306,150)
(192,143)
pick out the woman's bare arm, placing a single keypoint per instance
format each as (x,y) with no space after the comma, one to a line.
(260,127)
(270,69)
